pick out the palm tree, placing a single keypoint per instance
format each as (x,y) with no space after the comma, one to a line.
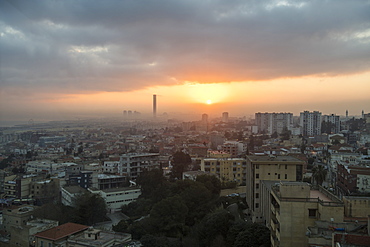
(319,174)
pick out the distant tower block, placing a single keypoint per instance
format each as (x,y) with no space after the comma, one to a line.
(205,118)
(154,105)
(225,117)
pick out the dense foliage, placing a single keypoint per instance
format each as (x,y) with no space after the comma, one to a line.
(88,209)
(185,213)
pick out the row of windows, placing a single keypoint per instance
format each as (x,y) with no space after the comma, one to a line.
(258,166)
(125,193)
(285,177)
(127,200)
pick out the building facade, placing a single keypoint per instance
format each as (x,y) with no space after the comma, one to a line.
(334,122)
(274,122)
(116,197)
(131,165)
(310,123)
(226,169)
(295,206)
(272,168)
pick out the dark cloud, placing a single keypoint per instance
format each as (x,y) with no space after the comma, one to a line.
(74,46)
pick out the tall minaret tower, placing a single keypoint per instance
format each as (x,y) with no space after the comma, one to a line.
(154,105)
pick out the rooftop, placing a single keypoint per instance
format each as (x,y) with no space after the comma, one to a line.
(269,158)
(61,231)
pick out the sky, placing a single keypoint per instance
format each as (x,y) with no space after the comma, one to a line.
(78,59)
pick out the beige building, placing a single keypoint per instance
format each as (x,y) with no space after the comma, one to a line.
(295,206)
(20,227)
(17,186)
(227,169)
(356,207)
(271,168)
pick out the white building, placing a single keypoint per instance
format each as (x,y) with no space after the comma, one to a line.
(334,120)
(117,197)
(310,123)
(69,193)
(110,166)
(274,122)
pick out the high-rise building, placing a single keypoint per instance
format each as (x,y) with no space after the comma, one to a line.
(225,117)
(274,122)
(334,122)
(204,118)
(276,168)
(310,123)
(154,105)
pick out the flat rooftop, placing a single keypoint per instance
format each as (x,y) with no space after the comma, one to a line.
(320,195)
(270,158)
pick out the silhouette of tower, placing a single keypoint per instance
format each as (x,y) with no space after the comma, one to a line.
(154,105)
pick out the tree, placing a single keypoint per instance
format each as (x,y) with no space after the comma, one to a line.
(169,216)
(285,134)
(121,226)
(180,163)
(214,225)
(90,209)
(58,212)
(150,181)
(255,235)
(319,174)
(212,183)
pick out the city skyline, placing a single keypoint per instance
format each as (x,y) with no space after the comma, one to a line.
(68,60)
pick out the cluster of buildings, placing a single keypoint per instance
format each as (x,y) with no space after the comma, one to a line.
(58,161)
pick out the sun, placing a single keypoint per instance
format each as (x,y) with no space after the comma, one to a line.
(209,102)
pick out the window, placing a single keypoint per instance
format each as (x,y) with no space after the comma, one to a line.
(278,176)
(286,176)
(257,205)
(257,195)
(257,186)
(257,175)
(257,166)
(312,213)
(42,243)
(286,166)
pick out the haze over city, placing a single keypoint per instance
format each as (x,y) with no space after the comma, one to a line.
(65,59)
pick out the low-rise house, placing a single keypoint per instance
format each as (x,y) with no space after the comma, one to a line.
(99,238)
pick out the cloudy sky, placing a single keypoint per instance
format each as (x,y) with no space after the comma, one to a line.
(73,59)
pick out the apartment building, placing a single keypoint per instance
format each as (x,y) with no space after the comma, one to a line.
(20,226)
(17,186)
(227,169)
(310,123)
(131,165)
(234,147)
(352,179)
(271,168)
(334,121)
(273,122)
(295,206)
